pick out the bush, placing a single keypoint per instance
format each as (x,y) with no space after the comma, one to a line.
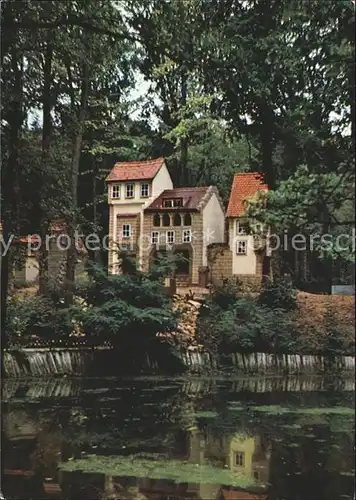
(127,309)
(36,315)
(279,294)
(225,295)
(246,326)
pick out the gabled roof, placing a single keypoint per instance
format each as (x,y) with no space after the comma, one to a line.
(193,198)
(135,170)
(244,186)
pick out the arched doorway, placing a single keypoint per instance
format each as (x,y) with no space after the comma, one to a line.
(183,264)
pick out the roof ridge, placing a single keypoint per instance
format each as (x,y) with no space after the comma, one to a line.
(135,162)
(249,173)
(205,198)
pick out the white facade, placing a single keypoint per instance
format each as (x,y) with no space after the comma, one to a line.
(213,225)
(244,259)
(132,197)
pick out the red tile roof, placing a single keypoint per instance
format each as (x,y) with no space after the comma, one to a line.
(135,170)
(191,196)
(244,186)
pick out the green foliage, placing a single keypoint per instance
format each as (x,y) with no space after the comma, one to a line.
(37,316)
(243,325)
(225,295)
(127,309)
(279,294)
(157,467)
(335,338)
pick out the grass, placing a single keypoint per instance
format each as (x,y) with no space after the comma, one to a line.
(158,468)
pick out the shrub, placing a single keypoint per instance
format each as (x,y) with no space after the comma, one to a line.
(246,326)
(279,294)
(36,315)
(127,309)
(225,295)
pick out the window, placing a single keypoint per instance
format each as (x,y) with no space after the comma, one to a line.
(170,237)
(174,203)
(156,220)
(177,220)
(130,190)
(239,458)
(116,191)
(166,220)
(187,220)
(145,190)
(242,227)
(155,237)
(126,231)
(187,236)
(241,247)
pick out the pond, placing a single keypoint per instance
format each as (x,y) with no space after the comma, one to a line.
(178,438)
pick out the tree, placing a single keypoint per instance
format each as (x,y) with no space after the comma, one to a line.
(128,310)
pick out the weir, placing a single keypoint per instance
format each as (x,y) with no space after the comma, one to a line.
(44,362)
(199,360)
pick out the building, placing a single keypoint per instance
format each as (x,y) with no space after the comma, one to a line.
(148,217)
(247,259)
(25,258)
(132,186)
(244,255)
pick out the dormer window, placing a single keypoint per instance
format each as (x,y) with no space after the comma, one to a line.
(116,191)
(130,190)
(172,203)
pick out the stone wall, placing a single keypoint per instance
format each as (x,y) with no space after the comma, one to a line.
(220,262)
(220,266)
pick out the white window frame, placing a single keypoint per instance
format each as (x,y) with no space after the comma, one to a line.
(116,191)
(240,241)
(187,236)
(168,234)
(155,237)
(128,233)
(172,203)
(127,186)
(238,224)
(145,185)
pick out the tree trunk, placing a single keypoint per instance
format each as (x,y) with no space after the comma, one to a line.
(10,179)
(72,222)
(4,271)
(96,253)
(183,180)
(46,143)
(267,145)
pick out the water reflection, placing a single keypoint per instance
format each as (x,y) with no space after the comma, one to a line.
(243,444)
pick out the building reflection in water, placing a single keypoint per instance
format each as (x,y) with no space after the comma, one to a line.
(33,450)
(306,460)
